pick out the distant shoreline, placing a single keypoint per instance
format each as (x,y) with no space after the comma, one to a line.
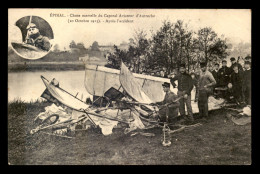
(47,66)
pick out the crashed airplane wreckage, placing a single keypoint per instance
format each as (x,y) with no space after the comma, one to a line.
(120,99)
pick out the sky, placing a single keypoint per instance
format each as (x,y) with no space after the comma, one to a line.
(234,24)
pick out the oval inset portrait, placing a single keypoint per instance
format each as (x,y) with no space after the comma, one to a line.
(33,37)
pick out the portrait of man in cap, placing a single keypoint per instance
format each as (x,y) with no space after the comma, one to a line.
(36,39)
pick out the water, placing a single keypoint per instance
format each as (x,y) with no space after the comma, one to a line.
(28,86)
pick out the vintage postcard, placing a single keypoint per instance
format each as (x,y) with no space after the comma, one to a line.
(129,86)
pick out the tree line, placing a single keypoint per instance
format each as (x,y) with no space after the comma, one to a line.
(167,48)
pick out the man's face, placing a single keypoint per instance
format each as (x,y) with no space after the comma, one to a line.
(235,69)
(166,89)
(193,76)
(224,64)
(182,70)
(247,66)
(233,61)
(162,73)
(33,31)
(203,68)
(216,67)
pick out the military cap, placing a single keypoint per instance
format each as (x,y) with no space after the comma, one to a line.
(216,64)
(232,59)
(182,65)
(166,84)
(203,64)
(248,57)
(224,61)
(247,62)
(192,73)
(31,25)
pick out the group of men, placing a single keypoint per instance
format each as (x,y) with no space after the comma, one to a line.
(235,77)
(235,80)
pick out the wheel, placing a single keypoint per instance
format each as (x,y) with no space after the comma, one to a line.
(52,119)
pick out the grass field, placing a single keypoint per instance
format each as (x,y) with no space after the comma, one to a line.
(216,142)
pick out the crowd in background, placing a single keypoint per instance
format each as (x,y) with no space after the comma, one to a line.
(231,83)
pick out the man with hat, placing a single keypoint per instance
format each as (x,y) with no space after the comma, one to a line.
(205,82)
(248,58)
(224,73)
(168,108)
(247,82)
(36,39)
(234,62)
(185,85)
(236,79)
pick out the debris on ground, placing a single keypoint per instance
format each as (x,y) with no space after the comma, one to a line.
(240,116)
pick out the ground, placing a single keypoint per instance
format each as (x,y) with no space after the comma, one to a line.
(216,142)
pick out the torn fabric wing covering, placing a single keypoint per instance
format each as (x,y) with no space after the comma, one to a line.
(99,79)
(132,86)
(64,97)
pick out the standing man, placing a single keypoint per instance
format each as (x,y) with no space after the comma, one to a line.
(236,80)
(185,85)
(168,108)
(234,62)
(223,79)
(194,79)
(216,76)
(247,83)
(215,72)
(205,82)
(224,73)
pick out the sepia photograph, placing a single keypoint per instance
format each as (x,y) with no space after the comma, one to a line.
(129,86)
(36,34)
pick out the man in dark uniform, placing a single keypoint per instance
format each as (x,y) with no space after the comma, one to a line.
(36,39)
(224,73)
(205,82)
(168,108)
(185,85)
(247,83)
(236,80)
(234,62)
(194,79)
(223,80)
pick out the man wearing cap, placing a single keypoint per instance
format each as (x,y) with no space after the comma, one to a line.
(247,82)
(236,80)
(36,39)
(185,85)
(169,106)
(234,62)
(248,58)
(224,73)
(205,82)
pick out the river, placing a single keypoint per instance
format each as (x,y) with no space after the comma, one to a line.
(28,86)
